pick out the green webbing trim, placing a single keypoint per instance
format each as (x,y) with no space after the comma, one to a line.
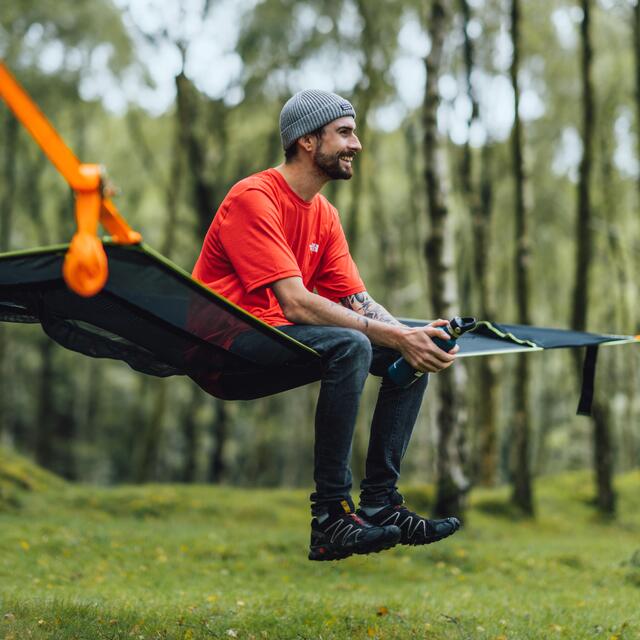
(494,330)
(505,336)
(55,248)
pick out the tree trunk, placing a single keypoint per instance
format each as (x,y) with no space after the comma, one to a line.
(220,431)
(204,196)
(451,480)
(636,55)
(43,444)
(388,251)
(622,284)
(602,439)
(191,440)
(414,234)
(48,421)
(522,491)
(488,379)
(148,442)
(603,458)
(479,201)
(6,208)
(584,244)
(9,180)
(363,98)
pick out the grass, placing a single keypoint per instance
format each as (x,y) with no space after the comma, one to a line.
(167,561)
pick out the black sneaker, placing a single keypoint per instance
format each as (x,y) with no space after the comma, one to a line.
(342,535)
(415,529)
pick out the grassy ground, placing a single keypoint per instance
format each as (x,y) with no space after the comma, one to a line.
(200,562)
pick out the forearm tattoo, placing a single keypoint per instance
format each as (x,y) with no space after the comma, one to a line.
(365,305)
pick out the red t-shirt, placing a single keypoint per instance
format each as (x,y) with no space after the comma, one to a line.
(264,232)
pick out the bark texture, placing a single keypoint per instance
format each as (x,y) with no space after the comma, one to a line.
(479,198)
(636,55)
(10,136)
(522,491)
(452,483)
(602,439)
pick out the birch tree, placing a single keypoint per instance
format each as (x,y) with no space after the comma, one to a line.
(451,479)
(602,438)
(522,491)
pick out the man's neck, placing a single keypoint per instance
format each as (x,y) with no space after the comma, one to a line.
(304,181)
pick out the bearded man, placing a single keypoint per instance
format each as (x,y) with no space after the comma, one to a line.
(277,249)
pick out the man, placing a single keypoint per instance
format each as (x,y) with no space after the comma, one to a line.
(276,248)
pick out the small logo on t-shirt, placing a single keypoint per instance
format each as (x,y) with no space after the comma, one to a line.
(313,247)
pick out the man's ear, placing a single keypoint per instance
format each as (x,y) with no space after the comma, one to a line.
(307,142)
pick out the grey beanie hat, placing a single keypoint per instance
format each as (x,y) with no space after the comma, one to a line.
(309,110)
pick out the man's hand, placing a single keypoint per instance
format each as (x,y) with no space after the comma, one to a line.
(419,350)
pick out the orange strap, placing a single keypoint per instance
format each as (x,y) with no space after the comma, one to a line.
(85,268)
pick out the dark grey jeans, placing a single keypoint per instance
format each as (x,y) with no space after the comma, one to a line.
(347,357)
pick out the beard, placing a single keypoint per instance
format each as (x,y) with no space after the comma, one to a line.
(329,164)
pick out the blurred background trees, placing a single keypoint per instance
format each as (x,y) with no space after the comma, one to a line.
(500,178)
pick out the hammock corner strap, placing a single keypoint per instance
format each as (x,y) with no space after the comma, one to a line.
(154,316)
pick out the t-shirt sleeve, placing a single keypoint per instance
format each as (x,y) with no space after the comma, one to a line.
(254,241)
(338,275)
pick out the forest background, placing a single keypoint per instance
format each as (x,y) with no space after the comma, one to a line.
(499,178)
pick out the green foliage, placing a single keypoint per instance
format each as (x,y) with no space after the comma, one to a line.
(196,562)
(77,26)
(19,475)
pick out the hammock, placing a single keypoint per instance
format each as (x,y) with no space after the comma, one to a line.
(160,321)
(120,299)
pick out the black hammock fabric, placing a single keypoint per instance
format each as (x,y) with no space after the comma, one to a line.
(152,315)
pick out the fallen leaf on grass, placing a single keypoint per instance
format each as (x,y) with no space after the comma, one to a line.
(382,611)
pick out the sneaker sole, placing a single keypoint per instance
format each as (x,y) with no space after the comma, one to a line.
(324,553)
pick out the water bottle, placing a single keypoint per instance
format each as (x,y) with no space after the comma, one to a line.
(404,375)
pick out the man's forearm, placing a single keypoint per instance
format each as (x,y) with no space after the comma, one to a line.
(378,325)
(363,304)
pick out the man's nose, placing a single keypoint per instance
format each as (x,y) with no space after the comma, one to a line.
(354,144)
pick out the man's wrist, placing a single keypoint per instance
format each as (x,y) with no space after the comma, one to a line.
(392,336)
